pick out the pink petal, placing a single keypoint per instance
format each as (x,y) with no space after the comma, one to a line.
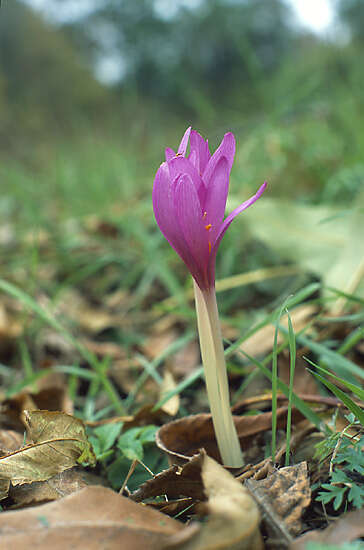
(225,149)
(192,157)
(234,213)
(164,211)
(169,154)
(184,142)
(189,215)
(180,165)
(200,148)
(216,196)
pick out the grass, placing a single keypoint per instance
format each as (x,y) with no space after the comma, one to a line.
(82,223)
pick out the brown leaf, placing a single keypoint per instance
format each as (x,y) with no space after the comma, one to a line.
(54,488)
(282,497)
(183,438)
(59,443)
(12,410)
(52,396)
(347,529)
(10,441)
(233,522)
(95,518)
(174,482)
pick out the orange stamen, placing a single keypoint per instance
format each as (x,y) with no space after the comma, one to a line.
(208,227)
(209,247)
(204,215)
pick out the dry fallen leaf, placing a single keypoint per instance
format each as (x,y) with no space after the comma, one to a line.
(282,497)
(94,518)
(233,522)
(175,482)
(10,440)
(183,438)
(348,528)
(51,395)
(59,442)
(54,488)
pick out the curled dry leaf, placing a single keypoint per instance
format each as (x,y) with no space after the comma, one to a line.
(282,496)
(233,522)
(59,442)
(94,518)
(175,482)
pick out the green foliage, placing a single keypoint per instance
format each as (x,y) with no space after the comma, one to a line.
(346,470)
(343,396)
(103,439)
(117,452)
(131,442)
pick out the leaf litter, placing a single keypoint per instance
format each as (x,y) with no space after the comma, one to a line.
(277,502)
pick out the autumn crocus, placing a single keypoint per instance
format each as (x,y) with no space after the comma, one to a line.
(189,199)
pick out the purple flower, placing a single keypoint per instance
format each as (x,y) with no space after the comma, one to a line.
(189,199)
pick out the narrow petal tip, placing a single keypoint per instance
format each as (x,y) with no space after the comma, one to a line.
(261,190)
(184,142)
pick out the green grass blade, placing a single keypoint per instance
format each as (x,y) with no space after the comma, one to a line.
(297,402)
(351,405)
(292,366)
(335,359)
(352,387)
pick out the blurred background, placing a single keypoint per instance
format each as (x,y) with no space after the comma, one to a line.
(92,91)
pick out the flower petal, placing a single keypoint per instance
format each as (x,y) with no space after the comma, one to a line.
(164,211)
(225,149)
(235,212)
(216,196)
(200,148)
(169,154)
(181,165)
(223,228)
(184,142)
(189,215)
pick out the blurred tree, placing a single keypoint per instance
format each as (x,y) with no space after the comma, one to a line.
(43,83)
(213,51)
(351,13)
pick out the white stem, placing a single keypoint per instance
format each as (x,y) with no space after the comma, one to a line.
(217,385)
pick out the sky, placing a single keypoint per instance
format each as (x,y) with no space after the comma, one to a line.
(315,14)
